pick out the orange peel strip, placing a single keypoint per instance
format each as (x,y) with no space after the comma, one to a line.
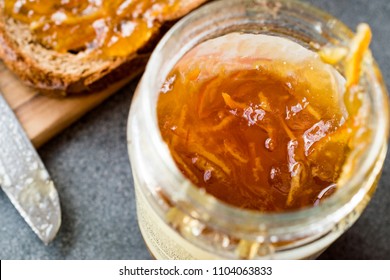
(234,151)
(252,151)
(225,122)
(287,129)
(295,185)
(258,169)
(180,123)
(205,165)
(264,102)
(313,112)
(210,157)
(232,103)
(359,46)
(188,172)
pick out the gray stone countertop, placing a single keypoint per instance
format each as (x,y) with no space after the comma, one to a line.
(90,167)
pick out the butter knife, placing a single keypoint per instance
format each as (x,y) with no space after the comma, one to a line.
(24,178)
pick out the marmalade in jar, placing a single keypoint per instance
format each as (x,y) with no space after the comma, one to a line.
(257,121)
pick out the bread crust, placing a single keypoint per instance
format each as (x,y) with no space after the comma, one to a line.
(43,68)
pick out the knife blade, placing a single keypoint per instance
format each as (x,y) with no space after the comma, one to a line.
(24,178)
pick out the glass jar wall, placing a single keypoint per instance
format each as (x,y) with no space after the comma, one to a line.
(180,221)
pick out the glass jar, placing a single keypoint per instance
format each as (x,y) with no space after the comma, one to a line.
(179,220)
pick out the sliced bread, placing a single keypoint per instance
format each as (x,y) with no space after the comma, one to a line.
(62,74)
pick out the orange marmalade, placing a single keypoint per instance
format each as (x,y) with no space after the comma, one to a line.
(257,121)
(115,27)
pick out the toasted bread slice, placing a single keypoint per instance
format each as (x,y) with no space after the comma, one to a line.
(62,74)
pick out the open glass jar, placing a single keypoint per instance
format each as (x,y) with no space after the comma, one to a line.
(179,220)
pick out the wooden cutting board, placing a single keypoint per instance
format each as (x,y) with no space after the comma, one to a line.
(43,117)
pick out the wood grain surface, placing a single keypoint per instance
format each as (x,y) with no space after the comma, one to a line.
(43,117)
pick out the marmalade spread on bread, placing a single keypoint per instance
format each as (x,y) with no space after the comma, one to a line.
(257,121)
(113,27)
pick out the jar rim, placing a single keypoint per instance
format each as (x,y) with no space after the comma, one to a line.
(341,202)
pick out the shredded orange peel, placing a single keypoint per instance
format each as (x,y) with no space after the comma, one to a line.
(232,103)
(358,48)
(353,64)
(353,56)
